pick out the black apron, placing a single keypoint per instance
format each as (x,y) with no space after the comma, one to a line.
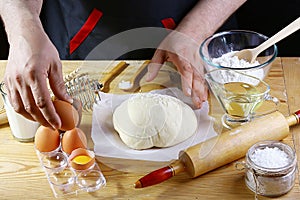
(76,27)
(101,29)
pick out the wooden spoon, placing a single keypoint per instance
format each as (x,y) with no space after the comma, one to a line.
(251,54)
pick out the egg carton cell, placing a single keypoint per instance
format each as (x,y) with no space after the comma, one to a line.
(66,181)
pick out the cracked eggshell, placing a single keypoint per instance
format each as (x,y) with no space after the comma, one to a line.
(81,152)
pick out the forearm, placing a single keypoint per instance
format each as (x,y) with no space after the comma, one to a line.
(20,16)
(206,17)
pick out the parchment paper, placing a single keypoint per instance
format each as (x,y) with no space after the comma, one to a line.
(107,142)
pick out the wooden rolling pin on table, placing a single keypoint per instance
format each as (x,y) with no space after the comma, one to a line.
(224,148)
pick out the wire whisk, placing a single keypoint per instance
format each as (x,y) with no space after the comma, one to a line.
(84,89)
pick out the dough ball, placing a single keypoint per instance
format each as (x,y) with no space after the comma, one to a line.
(153,120)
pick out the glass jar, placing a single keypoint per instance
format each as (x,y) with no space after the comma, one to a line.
(271,181)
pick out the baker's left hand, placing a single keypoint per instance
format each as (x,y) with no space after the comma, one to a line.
(183,52)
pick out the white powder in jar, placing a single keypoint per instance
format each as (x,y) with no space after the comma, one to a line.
(272,170)
(232,61)
(270,157)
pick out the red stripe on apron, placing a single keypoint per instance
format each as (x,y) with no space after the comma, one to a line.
(168,23)
(85,30)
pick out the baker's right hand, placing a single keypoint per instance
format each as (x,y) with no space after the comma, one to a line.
(33,62)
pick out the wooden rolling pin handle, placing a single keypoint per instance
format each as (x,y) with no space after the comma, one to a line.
(160,175)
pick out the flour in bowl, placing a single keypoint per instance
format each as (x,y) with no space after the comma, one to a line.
(229,60)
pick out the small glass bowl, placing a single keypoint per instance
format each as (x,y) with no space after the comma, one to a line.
(224,42)
(63,180)
(54,162)
(90,180)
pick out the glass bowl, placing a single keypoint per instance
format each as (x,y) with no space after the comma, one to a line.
(229,41)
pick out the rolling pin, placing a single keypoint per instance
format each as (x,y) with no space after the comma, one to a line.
(224,148)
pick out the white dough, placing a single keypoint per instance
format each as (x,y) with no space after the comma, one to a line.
(153,120)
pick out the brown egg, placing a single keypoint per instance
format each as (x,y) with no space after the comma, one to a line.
(81,159)
(73,139)
(67,113)
(78,106)
(46,139)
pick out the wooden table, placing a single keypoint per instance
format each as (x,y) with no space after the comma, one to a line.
(21,176)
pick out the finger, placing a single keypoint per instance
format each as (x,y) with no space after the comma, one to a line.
(155,64)
(199,90)
(57,83)
(42,99)
(14,97)
(31,108)
(17,104)
(186,71)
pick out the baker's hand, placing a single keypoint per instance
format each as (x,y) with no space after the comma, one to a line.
(182,51)
(34,62)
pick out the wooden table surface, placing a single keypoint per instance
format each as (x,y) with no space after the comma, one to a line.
(21,176)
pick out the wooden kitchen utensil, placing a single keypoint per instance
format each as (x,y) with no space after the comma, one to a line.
(3,117)
(251,54)
(112,75)
(224,148)
(136,78)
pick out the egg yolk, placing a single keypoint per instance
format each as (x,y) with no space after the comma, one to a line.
(82,159)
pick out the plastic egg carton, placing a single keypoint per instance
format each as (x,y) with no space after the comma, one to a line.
(64,180)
